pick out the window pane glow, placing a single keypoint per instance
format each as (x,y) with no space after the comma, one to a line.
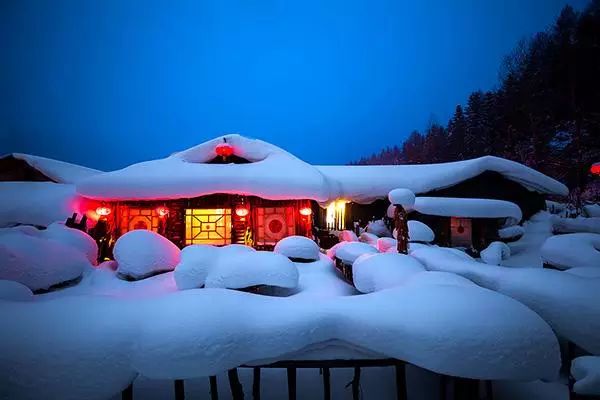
(336,215)
(208,226)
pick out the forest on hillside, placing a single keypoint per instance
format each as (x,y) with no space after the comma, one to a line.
(545,112)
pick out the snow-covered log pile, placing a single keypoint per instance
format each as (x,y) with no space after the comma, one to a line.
(495,253)
(569,303)
(572,250)
(574,225)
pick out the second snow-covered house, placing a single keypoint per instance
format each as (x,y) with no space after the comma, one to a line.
(233,189)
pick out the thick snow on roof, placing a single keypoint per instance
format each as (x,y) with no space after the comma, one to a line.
(58,171)
(366,183)
(271,174)
(467,208)
(276,174)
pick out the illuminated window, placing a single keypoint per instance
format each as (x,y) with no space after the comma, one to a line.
(273,224)
(139,218)
(336,215)
(208,226)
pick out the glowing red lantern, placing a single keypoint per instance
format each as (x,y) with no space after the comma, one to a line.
(595,169)
(162,211)
(306,211)
(103,211)
(224,150)
(241,211)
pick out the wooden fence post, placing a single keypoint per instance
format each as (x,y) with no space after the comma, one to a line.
(214,391)
(356,384)
(401,389)
(179,389)
(237,391)
(256,383)
(326,384)
(291,377)
(127,393)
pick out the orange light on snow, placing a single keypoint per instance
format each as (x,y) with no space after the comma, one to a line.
(103,211)
(224,149)
(595,169)
(241,211)
(306,211)
(162,211)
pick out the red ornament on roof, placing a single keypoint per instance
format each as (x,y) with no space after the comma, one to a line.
(595,169)
(224,149)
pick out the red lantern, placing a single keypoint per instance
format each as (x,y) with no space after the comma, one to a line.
(306,211)
(595,169)
(162,211)
(241,211)
(224,150)
(103,211)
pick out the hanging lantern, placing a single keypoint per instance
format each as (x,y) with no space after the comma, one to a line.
(595,169)
(103,211)
(224,149)
(162,211)
(242,211)
(306,211)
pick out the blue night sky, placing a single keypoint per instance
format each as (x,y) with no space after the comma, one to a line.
(109,83)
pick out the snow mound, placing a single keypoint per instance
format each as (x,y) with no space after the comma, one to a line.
(403,197)
(378,228)
(142,253)
(39,263)
(438,278)
(192,270)
(592,210)
(348,236)
(511,232)
(14,291)
(374,272)
(384,244)
(252,269)
(25,229)
(350,251)
(74,238)
(585,272)
(298,248)
(575,225)
(572,250)
(58,171)
(495,253)
(368,238)
(586,371)
(567,302)
(420,232)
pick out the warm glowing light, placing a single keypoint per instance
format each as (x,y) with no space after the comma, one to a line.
(595,169)
(336,214)
(241,211)
(162,211)
(306,211)
(103,211)
(224,150)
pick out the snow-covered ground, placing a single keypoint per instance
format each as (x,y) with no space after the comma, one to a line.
(437,309)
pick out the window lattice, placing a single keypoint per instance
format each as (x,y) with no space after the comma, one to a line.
(208,226)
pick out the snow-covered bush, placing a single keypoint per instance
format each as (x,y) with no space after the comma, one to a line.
(74,238)
(495,253)
(14,291)
(576,225)
(386,243)
(39,263)
(192,270)
(142,253)
(403,197)
(420,232)
(378,228)
(368,238)
(572,250)
(375,272)
(348,236)
(511,232)
(246,269)
(298,248)
(350,251)
(586,371)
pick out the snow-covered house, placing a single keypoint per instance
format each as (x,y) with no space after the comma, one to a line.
(233,189)
(37,190)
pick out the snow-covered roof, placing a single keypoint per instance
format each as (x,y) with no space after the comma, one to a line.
(58,171)
(467,208)
(273,173)
(366,183)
